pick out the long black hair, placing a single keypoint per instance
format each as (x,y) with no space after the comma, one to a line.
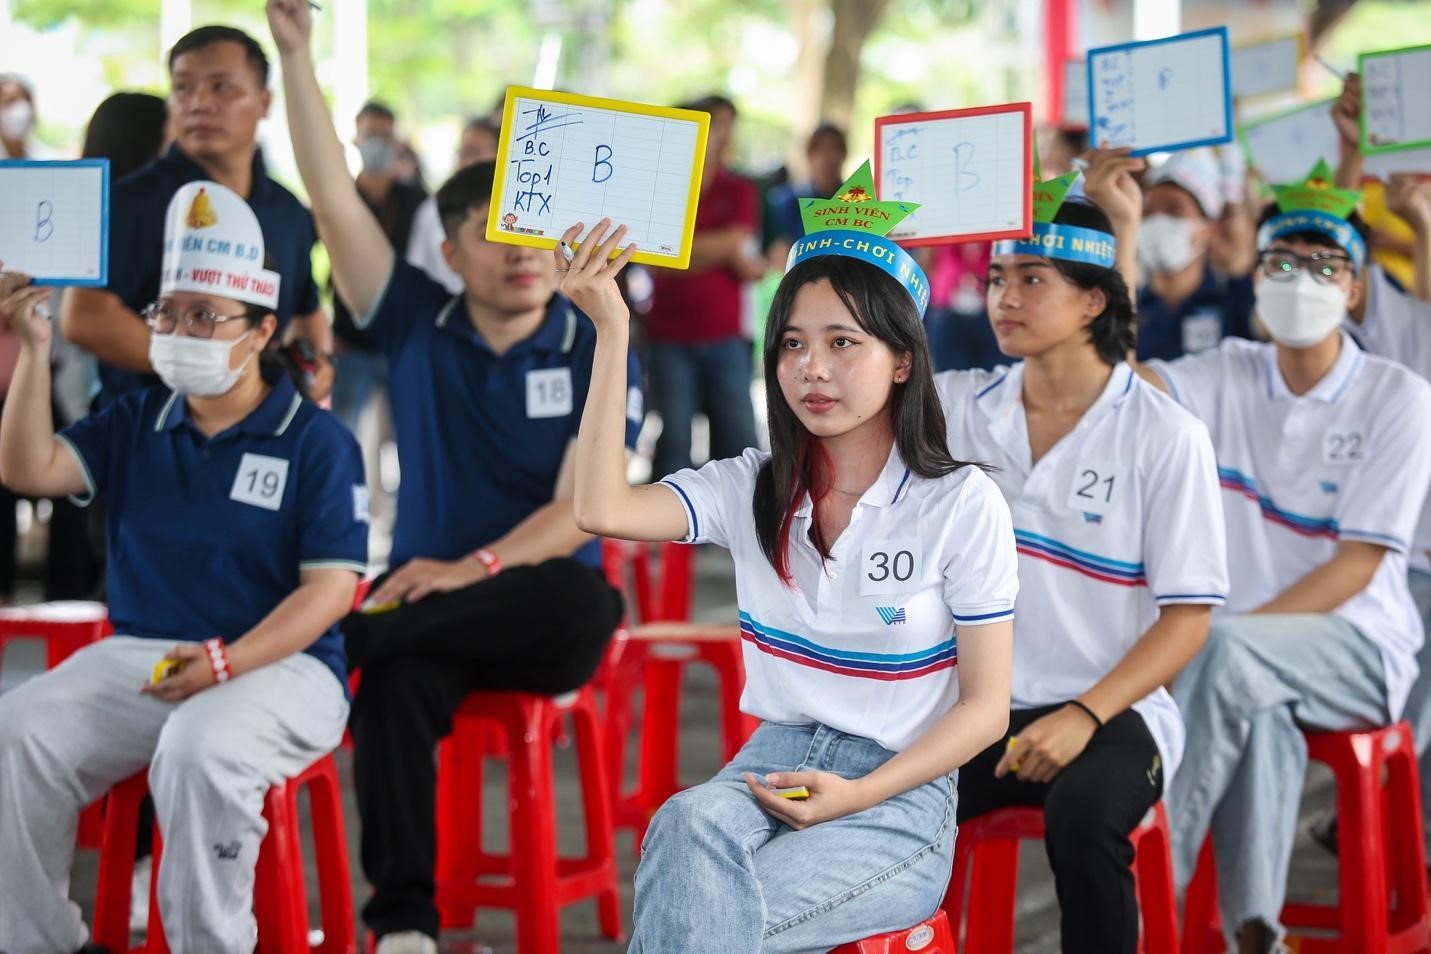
(128,130)
(1113,331)
(798,463)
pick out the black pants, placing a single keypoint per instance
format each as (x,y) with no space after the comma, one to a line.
(531,628)
(1089,809)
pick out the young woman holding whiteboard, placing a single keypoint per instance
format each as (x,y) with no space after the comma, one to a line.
(1115,506)
(861,546)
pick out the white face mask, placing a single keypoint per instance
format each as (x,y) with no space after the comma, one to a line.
(16,120)
(1166,243)
(1300,313)
(377,154)
(195,366)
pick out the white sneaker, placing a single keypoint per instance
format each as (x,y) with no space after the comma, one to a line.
(407,942)
(139,895)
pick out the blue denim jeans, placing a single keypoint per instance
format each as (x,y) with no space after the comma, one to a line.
(719,875)
(1245,699)
(711,379)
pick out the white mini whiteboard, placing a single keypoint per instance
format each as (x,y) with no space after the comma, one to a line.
(970,170)
(565,158)
(1284,148)
(1266,67)
(1396,100)
(1385,165)
(1075,95)
(1161,95)
(54,220)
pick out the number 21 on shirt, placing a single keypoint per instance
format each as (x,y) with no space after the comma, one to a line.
(1096,485)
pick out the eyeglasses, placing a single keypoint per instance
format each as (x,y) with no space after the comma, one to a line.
(1283,265)
(163,318)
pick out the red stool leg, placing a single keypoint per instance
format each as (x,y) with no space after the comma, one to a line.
(280,900)
(601,842)
(155,943)
(1157,896)
(1406,843)
(676,561)
(736,727)
(335,892)
(459,816)
(116,863)
(533,829)
(1202,927)
(991,895)
(1361,877)
(660,729)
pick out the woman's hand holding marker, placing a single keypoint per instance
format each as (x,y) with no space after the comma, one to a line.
(589,274)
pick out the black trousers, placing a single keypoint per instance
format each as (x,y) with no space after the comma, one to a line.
(531,628)
(1089,810)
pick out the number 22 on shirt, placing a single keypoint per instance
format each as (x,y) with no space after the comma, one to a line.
(1096,485)
(891,566)
(260,481)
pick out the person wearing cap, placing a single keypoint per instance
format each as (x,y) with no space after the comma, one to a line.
(492,585)
(219,94)
(237,531)
(1187,305)
(1322,482)
(1114,495)
(862,547)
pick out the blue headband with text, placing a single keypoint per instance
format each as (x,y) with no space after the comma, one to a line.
(1070,243)
(1334,227)
(864,247)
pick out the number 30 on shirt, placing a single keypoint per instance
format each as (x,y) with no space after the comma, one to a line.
(891,566)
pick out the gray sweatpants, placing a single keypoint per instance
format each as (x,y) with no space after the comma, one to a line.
(68,735)
(1245,699)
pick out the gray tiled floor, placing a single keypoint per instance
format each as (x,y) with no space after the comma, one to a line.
(1037,917)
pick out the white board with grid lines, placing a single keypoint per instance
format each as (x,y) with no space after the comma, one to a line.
(54,220)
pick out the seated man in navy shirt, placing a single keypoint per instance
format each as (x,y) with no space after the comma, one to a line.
(237,530)
(1187,306)
(493,586)
(219,79)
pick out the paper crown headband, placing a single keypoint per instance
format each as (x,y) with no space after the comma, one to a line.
(213,245)
(853,223)
(1316,205)
(1050,239)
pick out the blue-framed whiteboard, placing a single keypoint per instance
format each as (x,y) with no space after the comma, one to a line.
(54,220)
(1161,95)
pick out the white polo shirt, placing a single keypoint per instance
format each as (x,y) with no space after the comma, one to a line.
(1120,517)
(1398,326)
(1348,460)
(864,643)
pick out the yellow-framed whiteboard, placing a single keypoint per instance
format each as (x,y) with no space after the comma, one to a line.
(564,158)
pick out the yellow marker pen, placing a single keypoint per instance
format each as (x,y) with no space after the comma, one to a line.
(1014,766)
(797,793)
(162,669)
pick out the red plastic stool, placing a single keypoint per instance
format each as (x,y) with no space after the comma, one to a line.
(280,899)
(64,627)
(931,936)
(655,655)
(531,880)
(1381,871)
(991,842)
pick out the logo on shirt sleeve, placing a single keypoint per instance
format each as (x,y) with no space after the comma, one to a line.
(891,614)
(360,503)
(634,407)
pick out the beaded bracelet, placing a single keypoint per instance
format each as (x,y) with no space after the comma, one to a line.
(218,659)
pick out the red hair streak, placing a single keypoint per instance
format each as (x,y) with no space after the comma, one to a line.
(814,476)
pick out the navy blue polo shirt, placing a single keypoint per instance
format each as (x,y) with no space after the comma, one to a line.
(480,436)
(137,206)
(1220,308)
(206,535)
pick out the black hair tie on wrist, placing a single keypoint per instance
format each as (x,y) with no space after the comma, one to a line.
(1089,712)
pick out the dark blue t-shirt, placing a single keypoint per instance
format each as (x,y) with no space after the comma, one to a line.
(480,436)
(1220,308)
(137,207)
(206,535)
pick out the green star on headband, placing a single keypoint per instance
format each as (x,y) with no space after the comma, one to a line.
(853,223)
(1048,195)
(1317,193)
(854,207)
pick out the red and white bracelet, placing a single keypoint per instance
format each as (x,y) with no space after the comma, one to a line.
(489,560)
(218,659)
